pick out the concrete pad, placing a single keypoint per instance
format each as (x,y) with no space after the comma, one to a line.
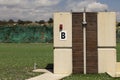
(41,70)
(107,60)
(63,61)
(48,75)
(117,73)
(118,67)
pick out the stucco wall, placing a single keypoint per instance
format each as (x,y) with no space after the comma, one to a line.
(106,29)
(66,20)
(63,48)
(106,42)
(107,60)
(63,61)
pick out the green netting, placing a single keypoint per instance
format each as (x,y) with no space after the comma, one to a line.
(29,34)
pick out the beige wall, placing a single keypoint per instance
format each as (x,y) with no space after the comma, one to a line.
(106,29)
(107,39)
(107,60)
(63,48)
(118,67)
(62,61)
(65,19)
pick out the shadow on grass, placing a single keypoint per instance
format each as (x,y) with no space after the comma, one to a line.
(50,67)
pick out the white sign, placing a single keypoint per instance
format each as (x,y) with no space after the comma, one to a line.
(63,35)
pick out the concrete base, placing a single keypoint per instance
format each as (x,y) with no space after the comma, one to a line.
(41,70)
(117,70)
(107,60)
(48,75)
(118,67)
(117,73)
(63,61)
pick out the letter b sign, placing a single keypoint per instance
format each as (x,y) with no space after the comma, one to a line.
(63,35)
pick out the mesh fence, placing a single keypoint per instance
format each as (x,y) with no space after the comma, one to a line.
(31,34)
(28,34)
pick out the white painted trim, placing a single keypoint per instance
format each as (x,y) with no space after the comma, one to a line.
(84,41)
(84,48)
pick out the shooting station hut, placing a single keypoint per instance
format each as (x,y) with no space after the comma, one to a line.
(85,42)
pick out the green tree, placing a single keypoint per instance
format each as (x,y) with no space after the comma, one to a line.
(41,22)
(50,21)
(118,24)
(27,22)
(3,22)
(20,22)
(11,21)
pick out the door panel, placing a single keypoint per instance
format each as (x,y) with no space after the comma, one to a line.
(91,43)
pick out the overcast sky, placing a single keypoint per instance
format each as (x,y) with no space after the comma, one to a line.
(43,9)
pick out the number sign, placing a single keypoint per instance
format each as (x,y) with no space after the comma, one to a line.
(63,35)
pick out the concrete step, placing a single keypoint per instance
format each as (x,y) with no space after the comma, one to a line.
(118,67)
(48,75)
(41,70)
(117,74)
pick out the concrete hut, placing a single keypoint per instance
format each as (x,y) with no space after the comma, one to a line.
(85,42)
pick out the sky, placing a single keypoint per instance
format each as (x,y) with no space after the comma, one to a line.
(36,10)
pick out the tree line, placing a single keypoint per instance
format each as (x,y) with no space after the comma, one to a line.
(118,24)
(25,22)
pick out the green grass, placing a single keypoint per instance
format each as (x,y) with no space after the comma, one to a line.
(95,76)
(17,60)
(90,77)
(118,52)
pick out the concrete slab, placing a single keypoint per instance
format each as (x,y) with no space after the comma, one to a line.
(117,72)
(118,67)
(41,70)
(48,75)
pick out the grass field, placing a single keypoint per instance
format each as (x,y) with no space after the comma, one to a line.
(95,76)
(17,60)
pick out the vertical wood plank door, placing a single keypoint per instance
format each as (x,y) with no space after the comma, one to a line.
(91,43)
(77,42)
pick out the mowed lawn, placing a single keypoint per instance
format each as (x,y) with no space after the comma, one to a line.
(95,76)
(17,61)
